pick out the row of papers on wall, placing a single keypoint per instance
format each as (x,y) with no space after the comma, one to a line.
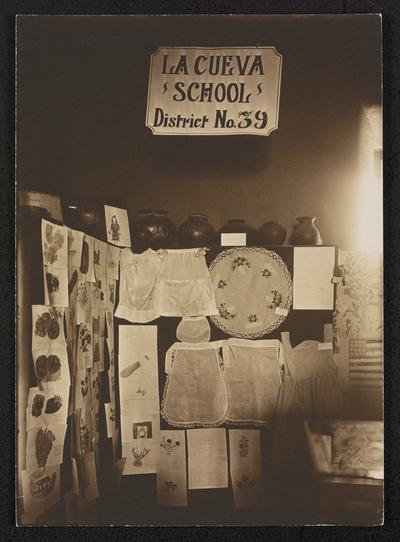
(72,350)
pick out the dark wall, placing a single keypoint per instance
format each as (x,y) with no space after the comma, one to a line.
(81,103)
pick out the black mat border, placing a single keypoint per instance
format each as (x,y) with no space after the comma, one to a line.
(391,41)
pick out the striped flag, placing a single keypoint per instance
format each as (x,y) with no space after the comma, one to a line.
(366,363)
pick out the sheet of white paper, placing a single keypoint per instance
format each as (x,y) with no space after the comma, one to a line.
(140,416)
(245,467)
(117,225)
(56,286)
(51,365)
(41,491)
(85,347)
(171,480)
(75,241)
(47,327)
(100,253)
(207,458)
(113,254)
(45,446)
(233,239)
(54,245)
(49,406)
(312,274)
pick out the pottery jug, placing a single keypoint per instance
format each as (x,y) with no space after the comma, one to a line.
(306,232)
(196,231)
(272,234)
(154,229)
(239,225)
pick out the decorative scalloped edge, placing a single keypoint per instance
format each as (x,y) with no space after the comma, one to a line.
(191,424)
(287,305)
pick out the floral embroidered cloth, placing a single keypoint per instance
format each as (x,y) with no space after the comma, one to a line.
(253,291)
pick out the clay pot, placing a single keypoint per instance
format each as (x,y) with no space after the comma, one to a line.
(306,232)
(272,233)
(238,225)
(196,231)
(154,229)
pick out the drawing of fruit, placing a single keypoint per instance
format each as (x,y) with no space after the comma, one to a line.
(53,329)
(37,405)
(54,367)
(42,487)
(41,368)
(52,282)
(53,404)
(43,445)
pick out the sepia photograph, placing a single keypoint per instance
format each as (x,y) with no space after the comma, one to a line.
(199,251)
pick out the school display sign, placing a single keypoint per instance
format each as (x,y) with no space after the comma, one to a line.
(214,91)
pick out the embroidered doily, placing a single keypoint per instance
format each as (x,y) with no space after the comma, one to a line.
(253,291)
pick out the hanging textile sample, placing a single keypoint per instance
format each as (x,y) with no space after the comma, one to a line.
(195,390)
(253,291)
(138,275)
(184,286)
(252,376)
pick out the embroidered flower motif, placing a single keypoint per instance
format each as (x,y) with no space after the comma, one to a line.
(168,445)
(252,318)
(169,486)
(276,299)
(245,483)
(243,446)
(222,283)
(225,313)
(266,273)
(240,261)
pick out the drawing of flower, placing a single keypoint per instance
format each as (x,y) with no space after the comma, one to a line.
(245,483)
(169,486)
(222,283)
(266,273)
(168,445)
(252,318)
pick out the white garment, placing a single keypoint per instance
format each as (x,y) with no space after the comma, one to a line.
(138,277)
(184,287)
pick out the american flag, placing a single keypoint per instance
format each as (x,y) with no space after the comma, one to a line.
(366,371)
(366,362)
